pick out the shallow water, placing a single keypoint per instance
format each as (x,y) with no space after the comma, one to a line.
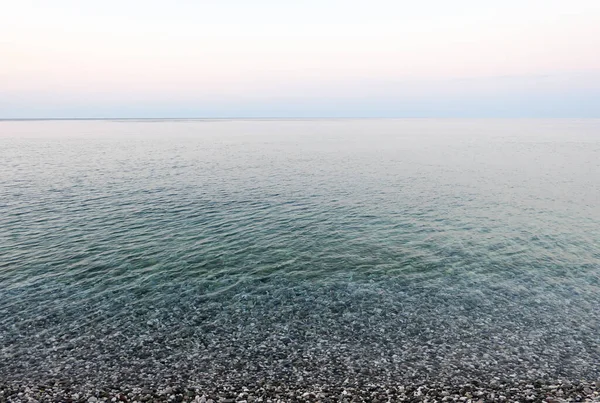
(301,251)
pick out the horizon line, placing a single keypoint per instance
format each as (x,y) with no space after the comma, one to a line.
(288,118)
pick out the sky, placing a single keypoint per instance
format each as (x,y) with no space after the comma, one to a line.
(309,58)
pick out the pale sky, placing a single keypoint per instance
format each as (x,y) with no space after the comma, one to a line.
(305,58)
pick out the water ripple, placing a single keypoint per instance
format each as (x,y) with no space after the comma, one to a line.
(420,249)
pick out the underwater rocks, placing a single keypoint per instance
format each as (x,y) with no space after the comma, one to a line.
(293,334)
(353,342)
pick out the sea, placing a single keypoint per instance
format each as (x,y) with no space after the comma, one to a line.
(305,251)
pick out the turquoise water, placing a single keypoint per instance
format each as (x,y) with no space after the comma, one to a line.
(302,251)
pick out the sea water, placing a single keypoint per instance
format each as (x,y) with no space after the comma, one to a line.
(299,250)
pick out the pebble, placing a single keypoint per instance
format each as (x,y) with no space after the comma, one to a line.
(418,392)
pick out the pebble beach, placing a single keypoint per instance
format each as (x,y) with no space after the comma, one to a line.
(467,393)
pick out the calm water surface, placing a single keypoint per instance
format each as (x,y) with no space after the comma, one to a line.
(299,250)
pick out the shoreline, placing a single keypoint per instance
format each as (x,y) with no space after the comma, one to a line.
(494,391)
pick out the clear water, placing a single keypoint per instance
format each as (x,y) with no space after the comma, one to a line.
(301,251)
